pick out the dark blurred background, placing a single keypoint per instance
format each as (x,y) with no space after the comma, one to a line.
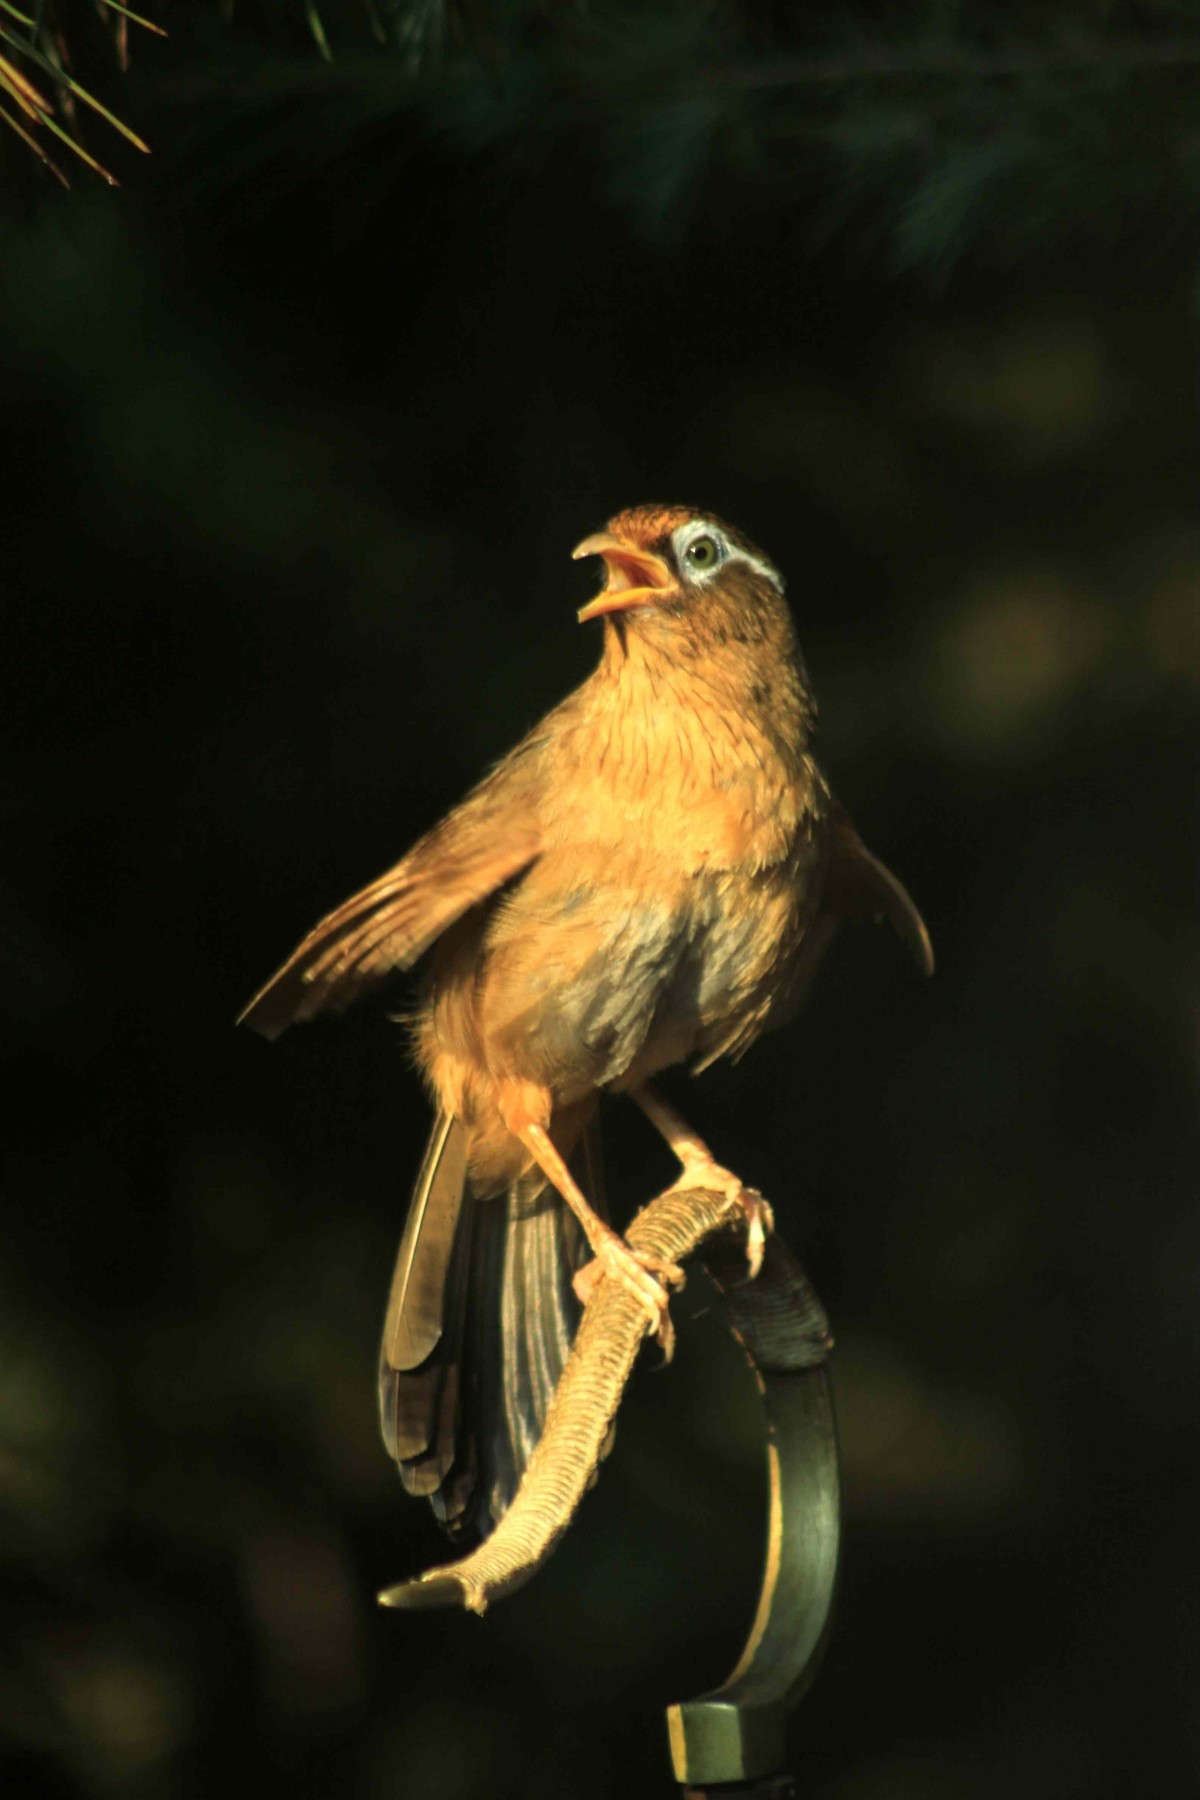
(300,427)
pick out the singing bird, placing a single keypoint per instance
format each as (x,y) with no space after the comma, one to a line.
(649,878)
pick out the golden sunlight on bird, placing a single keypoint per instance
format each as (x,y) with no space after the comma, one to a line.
(650,878)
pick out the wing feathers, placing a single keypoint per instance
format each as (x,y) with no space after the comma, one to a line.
(858,885)
(389,924)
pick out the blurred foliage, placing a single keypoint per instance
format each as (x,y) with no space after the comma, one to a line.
(40,40)
(300,433)
(919,136)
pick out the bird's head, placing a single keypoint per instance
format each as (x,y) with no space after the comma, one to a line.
(671,568)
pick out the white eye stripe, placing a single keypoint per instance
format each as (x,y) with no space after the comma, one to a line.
(759,564)
(684,536)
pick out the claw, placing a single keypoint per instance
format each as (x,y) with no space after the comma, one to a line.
(647,1278)
(760,1220)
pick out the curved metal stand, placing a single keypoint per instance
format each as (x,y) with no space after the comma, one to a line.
(737,1733)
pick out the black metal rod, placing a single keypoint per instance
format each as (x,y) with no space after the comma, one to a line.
(737,1733)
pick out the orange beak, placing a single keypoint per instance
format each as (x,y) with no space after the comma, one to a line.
(635,577)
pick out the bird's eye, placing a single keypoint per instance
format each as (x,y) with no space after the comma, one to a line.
(703,554)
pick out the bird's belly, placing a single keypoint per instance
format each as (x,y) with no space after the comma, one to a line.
(605,985)
(571,988)
(745,940)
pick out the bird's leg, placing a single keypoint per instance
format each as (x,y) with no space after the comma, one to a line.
(646,1277)
(701,1170)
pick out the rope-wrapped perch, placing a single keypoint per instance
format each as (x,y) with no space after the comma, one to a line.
(578,1419)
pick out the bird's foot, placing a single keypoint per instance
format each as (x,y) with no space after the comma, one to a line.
(702,1172)
(647,1278)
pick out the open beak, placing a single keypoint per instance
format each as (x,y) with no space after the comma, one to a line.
(635,577)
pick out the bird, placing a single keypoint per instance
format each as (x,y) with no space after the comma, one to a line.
(650,878)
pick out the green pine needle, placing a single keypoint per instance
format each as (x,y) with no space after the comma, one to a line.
(317,29)
(959,124)
(27,137)
(126,13)
(36,111)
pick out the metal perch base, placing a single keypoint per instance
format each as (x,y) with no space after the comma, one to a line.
(736,1733)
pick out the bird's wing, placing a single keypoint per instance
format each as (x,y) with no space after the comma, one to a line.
(859,886)
(490,838)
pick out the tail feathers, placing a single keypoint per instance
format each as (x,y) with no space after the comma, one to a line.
(420,1408)
(463,1423)
(418,1356)
(537,1314)
(417,1305)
